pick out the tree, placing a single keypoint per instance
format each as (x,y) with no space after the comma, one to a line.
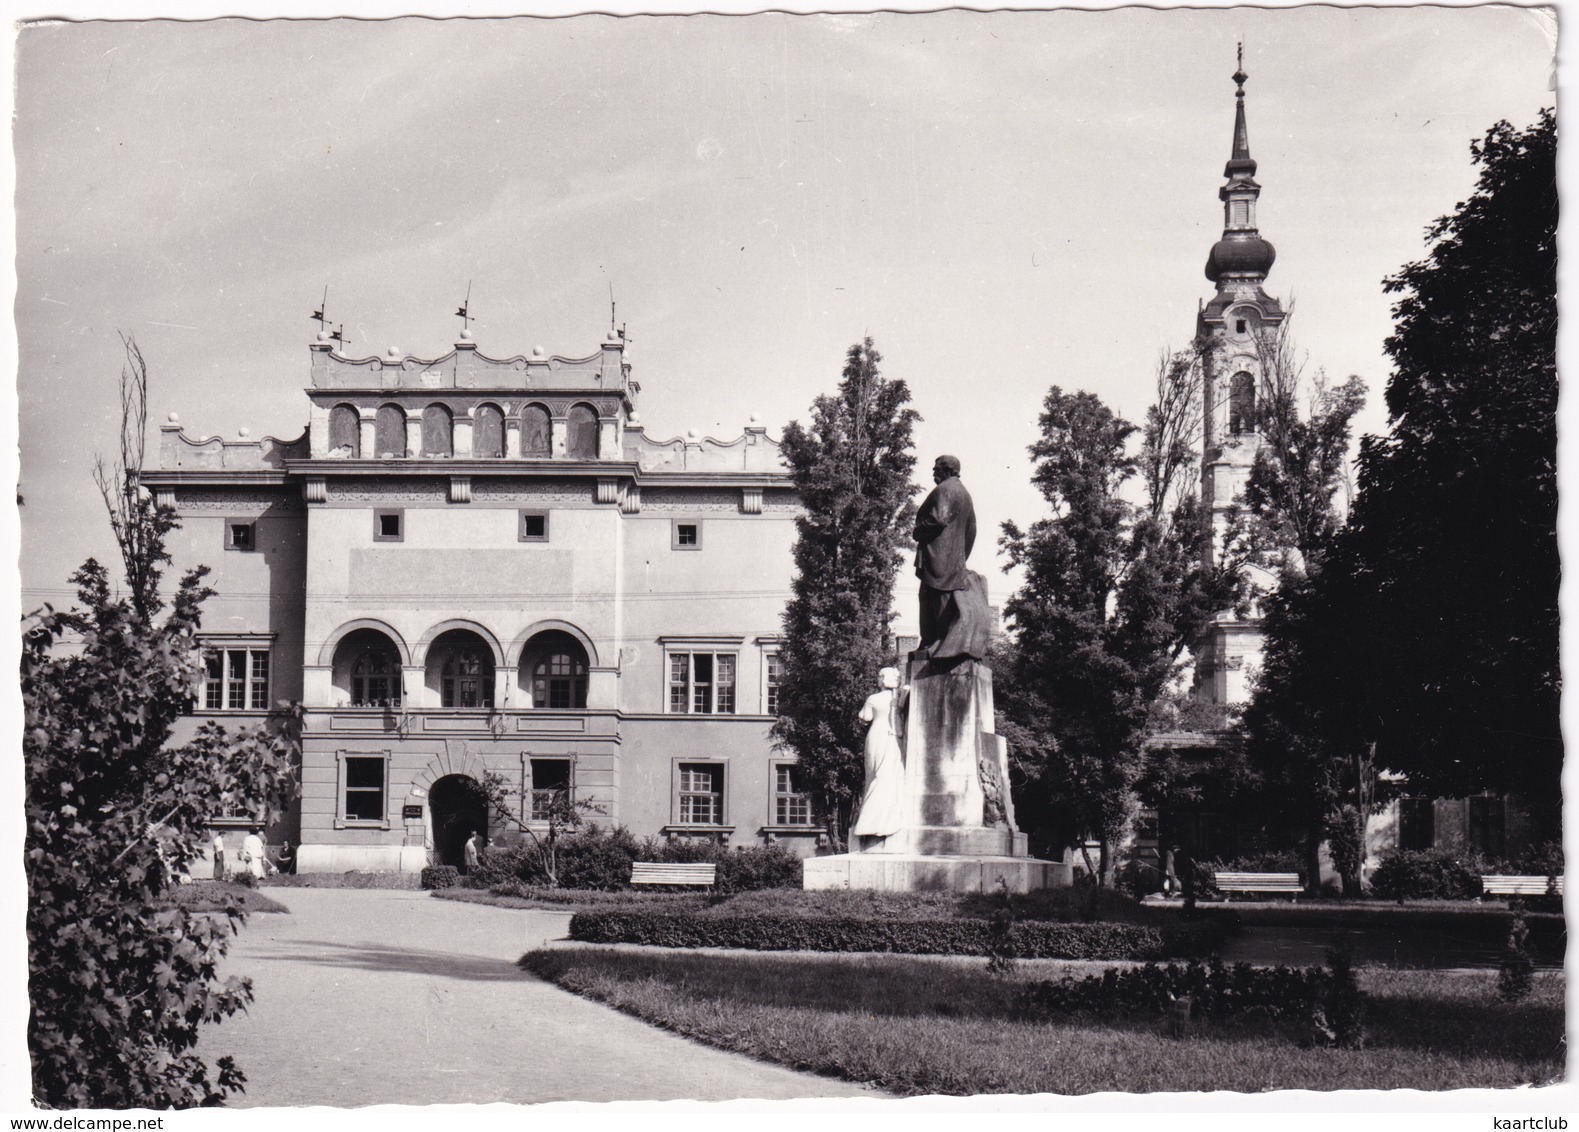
(1423,638)
(121,978)
(1302,458)
(1310,760)
(851,467)
(1455,523)
(544,816)
(1113,593)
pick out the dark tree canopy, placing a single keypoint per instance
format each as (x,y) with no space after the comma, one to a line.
(1113,592)
(1424,637)
(852,467)
(1455,525)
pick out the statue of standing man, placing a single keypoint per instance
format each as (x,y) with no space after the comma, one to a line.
(955,618)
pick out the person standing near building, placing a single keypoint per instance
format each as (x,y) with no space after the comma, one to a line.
(470,865)
(252,852)
(219,855)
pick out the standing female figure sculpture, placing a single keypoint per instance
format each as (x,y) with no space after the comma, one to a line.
(882,802)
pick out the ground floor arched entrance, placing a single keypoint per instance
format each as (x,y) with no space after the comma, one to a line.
(457,808)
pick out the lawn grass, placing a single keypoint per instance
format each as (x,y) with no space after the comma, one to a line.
(916,1026)
(221,896)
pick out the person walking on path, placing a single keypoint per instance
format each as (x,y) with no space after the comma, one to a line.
(219,855)
(470,865)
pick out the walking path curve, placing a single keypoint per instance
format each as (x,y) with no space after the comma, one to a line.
(391,997)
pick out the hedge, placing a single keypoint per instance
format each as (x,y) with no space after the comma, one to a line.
(1028,939)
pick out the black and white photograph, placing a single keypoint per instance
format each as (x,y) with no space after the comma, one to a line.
(843,561)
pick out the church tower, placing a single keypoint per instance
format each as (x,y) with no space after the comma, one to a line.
(1238,329)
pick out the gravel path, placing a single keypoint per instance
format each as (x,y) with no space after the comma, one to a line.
(382,997)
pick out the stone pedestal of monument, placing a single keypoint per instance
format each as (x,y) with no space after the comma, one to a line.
(959,835)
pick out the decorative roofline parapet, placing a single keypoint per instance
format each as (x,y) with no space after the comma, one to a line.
(752,451)
(178,450)
(467,367)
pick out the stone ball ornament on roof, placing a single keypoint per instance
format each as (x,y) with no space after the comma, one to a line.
(394,353)
(537,352)
(466,335)
(1248,256)
(174,418)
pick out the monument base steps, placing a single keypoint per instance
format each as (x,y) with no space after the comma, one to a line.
(915,872)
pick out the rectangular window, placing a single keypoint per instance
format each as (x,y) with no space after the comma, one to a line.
(791,801)
(534,526)
(241,534)
(550,780)
(687,534)
(237,679)
(1487,831)
(702,683)
(773,670)
(1416,823)
(389,525)
(364,787)
(701,794)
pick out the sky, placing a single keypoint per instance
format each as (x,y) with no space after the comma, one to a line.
(1002,201)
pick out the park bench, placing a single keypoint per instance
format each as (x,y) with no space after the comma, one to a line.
(702,874)
(1520,886)
(1286,884)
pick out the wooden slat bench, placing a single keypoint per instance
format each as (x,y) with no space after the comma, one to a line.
(1285,884)
(701,874)
(1520,886)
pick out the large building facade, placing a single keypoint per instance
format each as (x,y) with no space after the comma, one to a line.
(477,571)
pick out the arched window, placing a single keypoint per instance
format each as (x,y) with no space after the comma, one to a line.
(581,433)
(367,669)
(466,679)
(536,436)
(437,436)
(389,432)
(488,432)
(375,679)
(460,669)
(559,680)
(1242,403)
(345,431)
(556,664)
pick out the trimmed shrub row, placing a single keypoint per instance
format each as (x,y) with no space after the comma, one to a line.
(1327,1000)
(1027,939)
(600,859)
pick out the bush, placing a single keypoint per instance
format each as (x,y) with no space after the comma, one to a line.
(440,876)
(1516,976)
(1267,861)
(1427,874)
(749,868)
(1327,1002)
(762,932)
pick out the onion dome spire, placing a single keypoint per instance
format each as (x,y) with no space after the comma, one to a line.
(1241,255)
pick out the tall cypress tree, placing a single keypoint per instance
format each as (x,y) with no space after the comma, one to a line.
(852,467)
